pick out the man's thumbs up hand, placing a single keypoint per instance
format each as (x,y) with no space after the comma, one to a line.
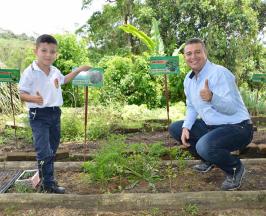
(38,98)
(206,85)
(206,93)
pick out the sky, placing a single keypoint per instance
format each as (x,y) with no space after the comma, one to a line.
(36,17)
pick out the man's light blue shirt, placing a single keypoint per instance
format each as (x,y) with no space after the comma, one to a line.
(226,106)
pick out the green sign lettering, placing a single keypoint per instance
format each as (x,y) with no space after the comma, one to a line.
(259,78)
(164,65)
(9,75)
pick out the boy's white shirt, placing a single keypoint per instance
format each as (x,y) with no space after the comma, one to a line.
(34,80)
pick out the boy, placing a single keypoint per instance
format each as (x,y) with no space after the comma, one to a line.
(40,88)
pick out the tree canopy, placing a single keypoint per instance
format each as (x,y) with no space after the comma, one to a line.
(229,28)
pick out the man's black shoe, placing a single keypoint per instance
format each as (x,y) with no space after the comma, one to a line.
(52,189)
(203,167)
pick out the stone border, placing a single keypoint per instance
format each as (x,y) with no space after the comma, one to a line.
(137,202)
(77,166)
(122,202)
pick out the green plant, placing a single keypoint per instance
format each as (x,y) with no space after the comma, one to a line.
(10,210)
(112,161)
(191,209)
(108,161)
(157,149)
(127,81)
(72,127)
(22,134)
(155,212)
(255,102)
(23,188)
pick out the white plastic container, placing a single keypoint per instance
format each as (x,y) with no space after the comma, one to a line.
(29,178)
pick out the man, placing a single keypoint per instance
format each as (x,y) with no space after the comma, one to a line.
(224,124)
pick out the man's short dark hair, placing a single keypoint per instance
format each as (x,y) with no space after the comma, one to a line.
(45,38)
(196,41)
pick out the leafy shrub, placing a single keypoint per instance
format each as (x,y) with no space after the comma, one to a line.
(72,127)
(127,80)
(254,101)
(111,161)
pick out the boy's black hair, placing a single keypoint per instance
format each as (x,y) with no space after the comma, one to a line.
(45,38)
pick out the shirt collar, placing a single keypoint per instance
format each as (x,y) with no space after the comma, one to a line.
(35,67)
(202,70)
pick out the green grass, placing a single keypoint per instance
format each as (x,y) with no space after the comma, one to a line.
(101,121)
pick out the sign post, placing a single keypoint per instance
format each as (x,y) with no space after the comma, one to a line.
(261,79)
(90,78)
(165,65)
(11,76)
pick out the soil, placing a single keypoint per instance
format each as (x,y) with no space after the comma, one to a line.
(182,180)
(184,212)
(259,138)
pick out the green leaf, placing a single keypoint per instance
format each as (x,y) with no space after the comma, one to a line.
(176,51)
(139,34)
(156,37)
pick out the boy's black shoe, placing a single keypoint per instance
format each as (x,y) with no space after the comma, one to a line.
(52,189)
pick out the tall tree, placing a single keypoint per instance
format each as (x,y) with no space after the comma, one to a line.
(103,36)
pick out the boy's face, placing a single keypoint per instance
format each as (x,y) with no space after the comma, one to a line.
(46,53)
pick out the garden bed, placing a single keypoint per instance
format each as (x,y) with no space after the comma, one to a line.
(189,191)
(75,150)
(71,176)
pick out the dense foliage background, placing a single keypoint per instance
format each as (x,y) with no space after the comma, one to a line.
(232,30)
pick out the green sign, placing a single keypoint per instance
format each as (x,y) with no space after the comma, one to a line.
(92,77)
(164,65)
(9,75)
(259,78)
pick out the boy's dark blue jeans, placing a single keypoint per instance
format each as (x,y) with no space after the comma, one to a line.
(215,143)
(45,124)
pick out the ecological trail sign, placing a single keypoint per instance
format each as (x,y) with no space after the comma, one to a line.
(164,65)
(259,78)
(9,75)
(92,77)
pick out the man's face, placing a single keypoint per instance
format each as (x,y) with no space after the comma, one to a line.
(195,56)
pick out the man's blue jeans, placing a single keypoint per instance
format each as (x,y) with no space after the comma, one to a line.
(45,124)
(215,143)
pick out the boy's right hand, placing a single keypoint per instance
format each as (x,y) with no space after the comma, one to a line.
(38,99)
(83,68)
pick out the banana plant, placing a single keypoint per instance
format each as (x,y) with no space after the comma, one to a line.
(154,43)
(156,37)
